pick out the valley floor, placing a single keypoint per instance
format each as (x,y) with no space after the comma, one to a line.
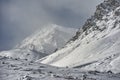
(17,69)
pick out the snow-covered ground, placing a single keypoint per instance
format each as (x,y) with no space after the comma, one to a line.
(92,54)
(23,54)
(17,69)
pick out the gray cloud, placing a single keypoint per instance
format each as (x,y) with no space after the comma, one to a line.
(19,18)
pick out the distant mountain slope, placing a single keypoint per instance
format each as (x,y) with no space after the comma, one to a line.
(23,54)
(48,40)
(96,45)
(43,42)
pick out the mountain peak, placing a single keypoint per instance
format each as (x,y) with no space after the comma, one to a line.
(96,45)
(43,42)
(51,36)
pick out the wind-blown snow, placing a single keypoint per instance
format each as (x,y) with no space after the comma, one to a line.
(92,54)
(43,42)
(48,39)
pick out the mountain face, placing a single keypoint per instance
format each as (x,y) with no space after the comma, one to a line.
(96,46)
(43,42)
(48,40)
(92,54)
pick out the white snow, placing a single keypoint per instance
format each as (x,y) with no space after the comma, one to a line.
(17,69)
(95,51)
(47,40)
(22,54)
(43,42)
(93,55)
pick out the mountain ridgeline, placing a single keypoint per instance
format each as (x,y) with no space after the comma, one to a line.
(41,43)
(61,53)
(95,45)
(101,10)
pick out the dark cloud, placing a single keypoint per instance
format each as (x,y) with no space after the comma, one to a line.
(20,18)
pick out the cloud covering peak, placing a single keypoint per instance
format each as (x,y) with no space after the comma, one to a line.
(20,18)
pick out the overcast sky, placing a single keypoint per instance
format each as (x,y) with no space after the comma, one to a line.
(19,18)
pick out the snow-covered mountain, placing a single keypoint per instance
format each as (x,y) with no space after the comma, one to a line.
(51,38)
(96,45)
(43,42)
(92,54)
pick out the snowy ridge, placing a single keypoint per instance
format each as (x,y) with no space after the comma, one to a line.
(48,39)
(96,44)
(43,42)
(92,54)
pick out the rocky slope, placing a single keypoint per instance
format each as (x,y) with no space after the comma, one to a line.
(96,45)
